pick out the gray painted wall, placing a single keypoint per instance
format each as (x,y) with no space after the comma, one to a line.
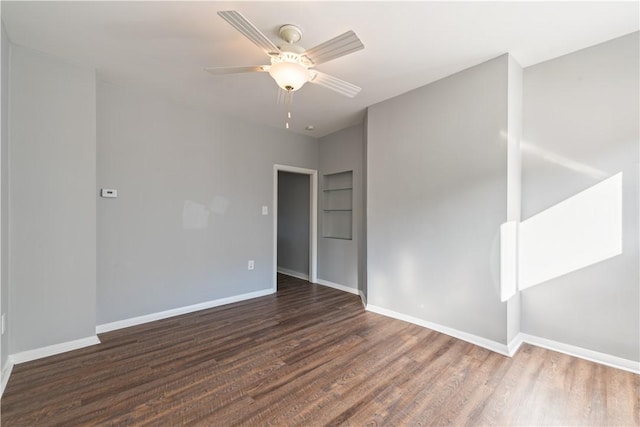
(187,219)
(436,194)
(338,259)
(4,194)
(580,117)
(52,138)
(293,222)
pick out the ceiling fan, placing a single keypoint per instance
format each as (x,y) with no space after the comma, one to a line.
(291,65)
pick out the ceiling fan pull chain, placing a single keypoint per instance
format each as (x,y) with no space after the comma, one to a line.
(287,102)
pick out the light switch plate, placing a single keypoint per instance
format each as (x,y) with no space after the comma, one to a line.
(109,193)
(265,210)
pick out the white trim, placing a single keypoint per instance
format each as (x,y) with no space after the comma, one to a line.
(51,350)
(6,373)
(292,273)
(313,220)
(583,353)
(337,286)
(465,336)
(515,344)
(133,321)
(363,298)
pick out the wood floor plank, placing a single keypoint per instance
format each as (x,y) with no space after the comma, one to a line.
(309,356)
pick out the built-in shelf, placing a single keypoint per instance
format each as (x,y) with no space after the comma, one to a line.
(338,189)
(337,215)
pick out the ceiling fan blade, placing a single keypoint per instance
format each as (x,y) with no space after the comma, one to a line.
(341,45)
(249,30)
(219,71)
(335,84)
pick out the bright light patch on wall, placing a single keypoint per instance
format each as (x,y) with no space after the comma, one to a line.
(562,161)
(575,233)
(219,205)
(508,260)
(194,216)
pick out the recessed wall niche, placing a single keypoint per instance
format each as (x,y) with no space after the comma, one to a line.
(337,205)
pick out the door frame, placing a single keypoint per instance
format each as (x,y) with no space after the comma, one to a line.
(313,220)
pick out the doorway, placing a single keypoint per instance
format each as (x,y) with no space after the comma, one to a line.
(300,227)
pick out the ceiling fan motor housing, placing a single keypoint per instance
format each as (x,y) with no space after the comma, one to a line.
(290,33)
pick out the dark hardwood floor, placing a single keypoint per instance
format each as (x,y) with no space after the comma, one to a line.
(310,356)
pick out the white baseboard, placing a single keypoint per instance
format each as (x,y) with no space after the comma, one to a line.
(119,324)
(5,374)
(464,336)
(583,353)
(515,344)
(363,298)
(512,347)
(325,283)
(293,273)
(338,286)
(51,350)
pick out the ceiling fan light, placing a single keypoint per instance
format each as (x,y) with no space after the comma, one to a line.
(290,76)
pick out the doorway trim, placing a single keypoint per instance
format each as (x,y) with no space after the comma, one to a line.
(313,220)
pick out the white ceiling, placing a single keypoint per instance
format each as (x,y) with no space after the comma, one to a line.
(163,47)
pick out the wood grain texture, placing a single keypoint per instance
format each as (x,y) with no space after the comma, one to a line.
(310,356)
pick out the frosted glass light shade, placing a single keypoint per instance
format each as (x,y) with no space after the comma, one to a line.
(289,75)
